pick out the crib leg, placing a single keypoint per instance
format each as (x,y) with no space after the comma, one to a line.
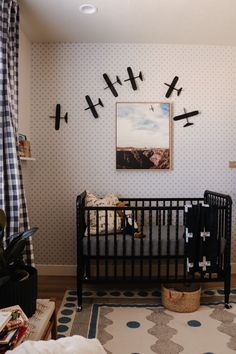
(227,286)
(87,269)
(79,299)
(79,289)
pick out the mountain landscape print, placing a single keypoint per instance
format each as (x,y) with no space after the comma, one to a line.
(143,136)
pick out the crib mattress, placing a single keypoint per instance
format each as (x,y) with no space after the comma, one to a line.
(148,243)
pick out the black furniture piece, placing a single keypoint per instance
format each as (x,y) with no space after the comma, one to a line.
(187,240)
(21,292)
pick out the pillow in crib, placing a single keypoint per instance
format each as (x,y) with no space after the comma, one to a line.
(92,200)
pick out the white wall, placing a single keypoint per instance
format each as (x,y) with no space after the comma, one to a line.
(24,84)
(81,155)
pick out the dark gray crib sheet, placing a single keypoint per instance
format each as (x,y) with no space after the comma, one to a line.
(137,243)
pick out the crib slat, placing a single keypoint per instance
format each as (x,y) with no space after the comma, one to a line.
(124,244)
(185,257)
(159,251)
(136,211)
(81,259)
(88,246)
(176,241)
(157,212)
(164,213)
(97,245)
(221,223)
(150,242)
(141,242)
(133,254)
(225,229)
(171,212)
(115,244)
(106,246)
(168,244)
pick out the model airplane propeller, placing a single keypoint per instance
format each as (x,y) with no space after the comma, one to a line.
(92,106)
(186,116)
(58,117)
(172,87)
(132,78)
(111,84)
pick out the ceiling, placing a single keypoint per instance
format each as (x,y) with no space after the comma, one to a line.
(209,22)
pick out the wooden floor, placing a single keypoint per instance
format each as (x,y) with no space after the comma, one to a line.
(55,287)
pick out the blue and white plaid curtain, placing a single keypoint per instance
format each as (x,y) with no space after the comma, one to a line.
(12,198)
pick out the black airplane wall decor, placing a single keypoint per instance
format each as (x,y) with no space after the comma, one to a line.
(172,87)
(111,84)
(133,78)
(92,106)
(186,115)
(58,117)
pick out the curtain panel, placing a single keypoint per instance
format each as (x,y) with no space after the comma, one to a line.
(12,196)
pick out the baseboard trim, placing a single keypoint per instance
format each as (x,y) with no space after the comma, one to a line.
(56,269)
(233,268)
(70,269)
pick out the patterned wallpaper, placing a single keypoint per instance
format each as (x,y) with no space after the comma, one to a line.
(81,155)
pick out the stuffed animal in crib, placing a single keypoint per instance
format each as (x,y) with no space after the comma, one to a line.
(130,226)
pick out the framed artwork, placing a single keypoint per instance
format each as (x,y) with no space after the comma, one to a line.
(143,135)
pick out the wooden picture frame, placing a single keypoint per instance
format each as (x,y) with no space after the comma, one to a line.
(143,135)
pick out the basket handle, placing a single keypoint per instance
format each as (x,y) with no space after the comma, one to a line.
(174,295)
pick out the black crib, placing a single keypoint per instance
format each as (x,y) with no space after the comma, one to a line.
(186,240)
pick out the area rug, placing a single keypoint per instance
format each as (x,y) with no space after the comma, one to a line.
(134,322)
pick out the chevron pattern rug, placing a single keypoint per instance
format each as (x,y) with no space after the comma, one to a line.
(134,322)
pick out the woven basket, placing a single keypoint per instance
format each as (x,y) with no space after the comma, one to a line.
(181,298)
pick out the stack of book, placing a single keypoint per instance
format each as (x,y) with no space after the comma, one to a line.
(13,327)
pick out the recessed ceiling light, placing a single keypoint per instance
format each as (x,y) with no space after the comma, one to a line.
(88,9)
